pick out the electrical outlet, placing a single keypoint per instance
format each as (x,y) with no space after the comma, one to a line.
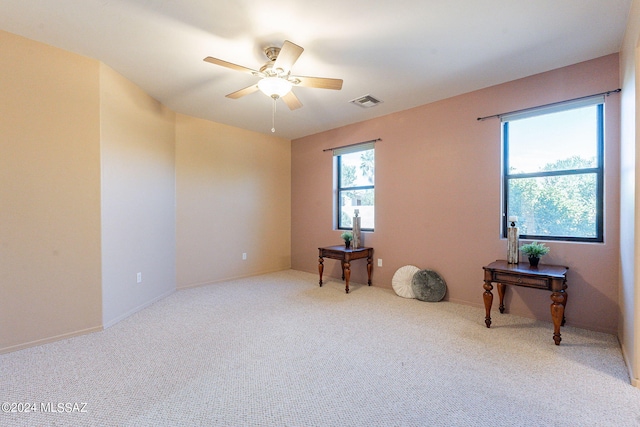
(379,262)
(244,255)
(139,278)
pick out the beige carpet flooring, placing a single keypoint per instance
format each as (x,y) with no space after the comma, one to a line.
(277,350)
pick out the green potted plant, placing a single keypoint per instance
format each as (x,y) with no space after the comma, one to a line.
(534,251)
(347,236)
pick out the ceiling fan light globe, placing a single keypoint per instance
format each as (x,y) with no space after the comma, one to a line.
(274,87)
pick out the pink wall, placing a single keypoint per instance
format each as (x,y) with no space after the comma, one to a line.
(438,196)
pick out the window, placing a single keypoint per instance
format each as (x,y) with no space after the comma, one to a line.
(355,172)
(553,171)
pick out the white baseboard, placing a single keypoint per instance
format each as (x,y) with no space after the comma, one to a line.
(243,276)
(50,339)
(134,310)
(634,381)
(60,337)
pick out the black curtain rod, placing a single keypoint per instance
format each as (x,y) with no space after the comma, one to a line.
(548,105)
(351,145)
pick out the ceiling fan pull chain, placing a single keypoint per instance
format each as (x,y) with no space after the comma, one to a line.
(273,116)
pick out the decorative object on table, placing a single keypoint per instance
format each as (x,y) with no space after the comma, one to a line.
(534,251)
(401,281)
(428,286)
(512,241)
(347,236)
(357,240)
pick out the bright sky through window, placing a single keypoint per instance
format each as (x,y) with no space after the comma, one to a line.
(545,139)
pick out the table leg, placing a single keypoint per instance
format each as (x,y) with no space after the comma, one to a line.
(564,303)
(369,268)
(320,268)
(488,301)
(342,265)
(347,275)
(557,314)
(501,288)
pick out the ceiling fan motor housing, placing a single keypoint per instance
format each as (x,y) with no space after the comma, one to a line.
(272,53)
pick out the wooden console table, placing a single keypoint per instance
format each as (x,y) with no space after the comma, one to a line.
(544,276)
(345,256)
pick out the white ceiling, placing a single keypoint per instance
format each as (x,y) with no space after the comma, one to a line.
(404,52)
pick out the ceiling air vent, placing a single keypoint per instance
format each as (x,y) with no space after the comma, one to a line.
(366,101)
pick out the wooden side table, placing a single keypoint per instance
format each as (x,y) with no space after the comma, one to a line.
(345,256)
(544,276)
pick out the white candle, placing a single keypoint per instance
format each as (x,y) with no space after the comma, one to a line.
(513,218)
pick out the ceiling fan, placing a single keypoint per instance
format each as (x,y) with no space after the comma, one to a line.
(275,75)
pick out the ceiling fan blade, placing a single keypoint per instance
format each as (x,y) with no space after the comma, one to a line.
(226,64)
(242,92)
(292,101)
(289,54)
(318,82)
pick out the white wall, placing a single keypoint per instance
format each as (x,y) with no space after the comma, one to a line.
(138,197)
(233,197)
(629,295)
(88,197)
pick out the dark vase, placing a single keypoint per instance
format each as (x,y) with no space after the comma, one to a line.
(347,244)
(533,261)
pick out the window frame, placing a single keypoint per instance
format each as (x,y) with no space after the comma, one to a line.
(598,171)
(339,188)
